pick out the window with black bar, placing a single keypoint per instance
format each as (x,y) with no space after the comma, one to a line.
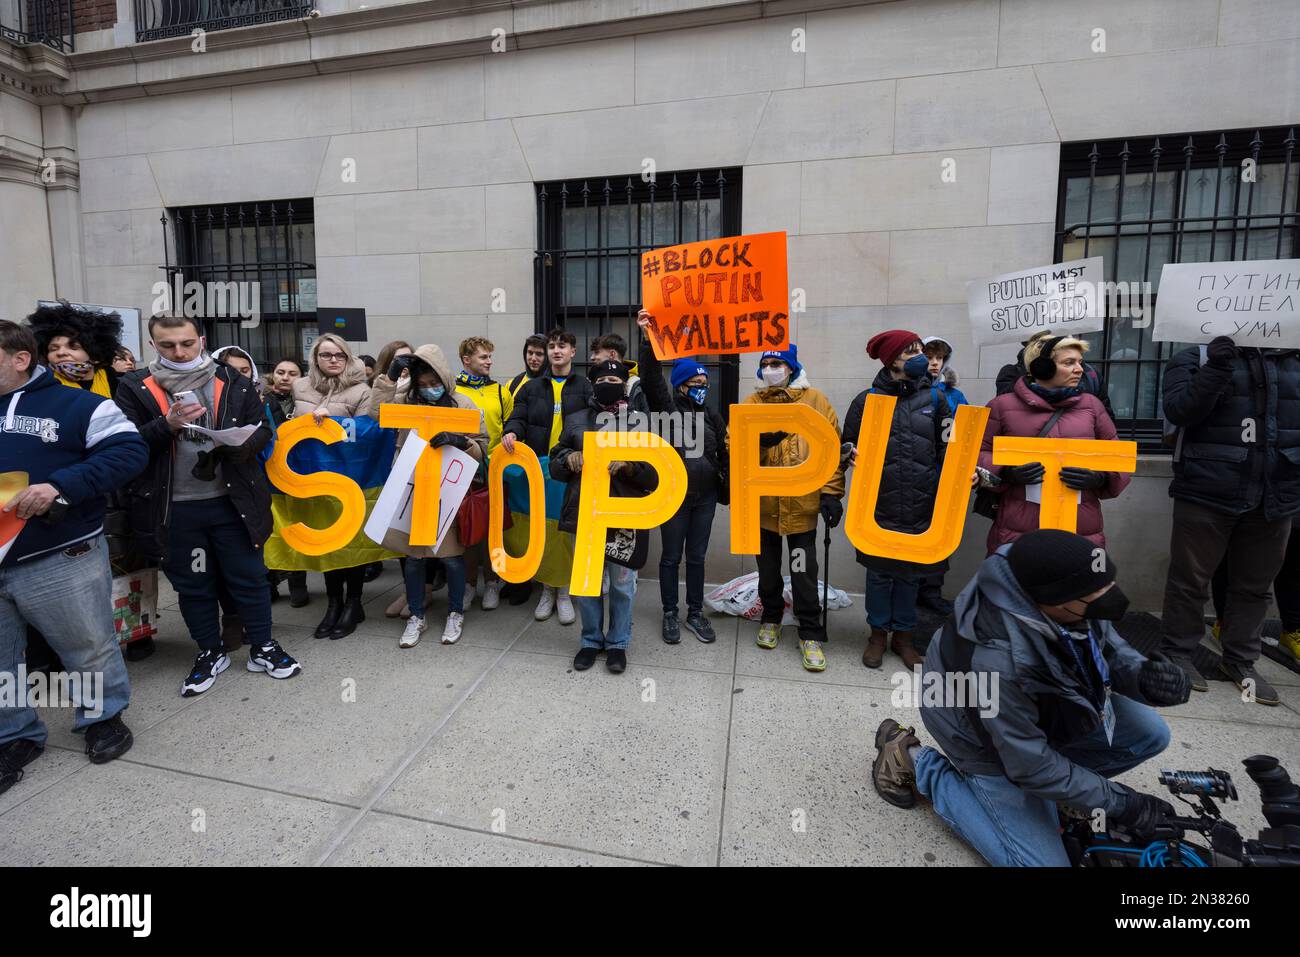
(272,244)
(590,237)
(1140,203)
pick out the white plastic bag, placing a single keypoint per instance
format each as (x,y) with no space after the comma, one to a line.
(740,597)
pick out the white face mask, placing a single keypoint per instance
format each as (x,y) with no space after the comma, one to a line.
(184,366)
(774,375)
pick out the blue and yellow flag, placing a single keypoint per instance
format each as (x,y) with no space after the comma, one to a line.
(366,457)
(557,560)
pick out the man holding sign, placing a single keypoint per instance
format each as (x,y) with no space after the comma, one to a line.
(1236,490)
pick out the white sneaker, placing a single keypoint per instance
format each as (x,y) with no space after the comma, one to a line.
(471,592)
(491,596)
(451,633)
(546,605)
(411,636)
(565,607)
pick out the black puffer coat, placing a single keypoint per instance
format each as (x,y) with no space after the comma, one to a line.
(912,462)
(705,473)
(242,470)
(633,482)
(1214,465)
(534,409)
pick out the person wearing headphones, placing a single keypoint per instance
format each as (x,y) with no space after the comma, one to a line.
(1048,402)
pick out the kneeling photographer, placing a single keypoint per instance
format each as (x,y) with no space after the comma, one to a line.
(1072,708)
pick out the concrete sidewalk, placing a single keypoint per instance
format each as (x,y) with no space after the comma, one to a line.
(493,751)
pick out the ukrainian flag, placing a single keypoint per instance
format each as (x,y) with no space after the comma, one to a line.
(366,457)
(557,560)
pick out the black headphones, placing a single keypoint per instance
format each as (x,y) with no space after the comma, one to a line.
(1044,366)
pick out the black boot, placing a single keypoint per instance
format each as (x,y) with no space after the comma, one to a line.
(353,615)
(373,571)
(333,611)
(298,589)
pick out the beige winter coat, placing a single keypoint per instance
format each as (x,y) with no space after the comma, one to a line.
(385,390)
(349,399)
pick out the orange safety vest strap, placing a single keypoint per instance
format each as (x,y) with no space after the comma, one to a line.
(160,396)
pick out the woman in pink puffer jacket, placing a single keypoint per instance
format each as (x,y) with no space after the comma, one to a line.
(1051,384)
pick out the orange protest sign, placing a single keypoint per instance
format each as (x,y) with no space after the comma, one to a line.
(304,538)
(509,567)
(750,481)
(1060,505)
(600,511)
(949,516)
(717,296)
(11,483)
(428,421)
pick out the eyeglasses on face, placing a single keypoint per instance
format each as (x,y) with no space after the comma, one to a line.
(330,356)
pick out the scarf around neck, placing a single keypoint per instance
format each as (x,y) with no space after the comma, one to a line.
(1054,396)
(467,378)
(193,380)
(98,385)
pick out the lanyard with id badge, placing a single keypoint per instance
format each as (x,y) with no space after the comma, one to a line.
(1105,705)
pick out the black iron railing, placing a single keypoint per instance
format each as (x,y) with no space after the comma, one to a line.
(591,234)
(1141,203)
(272,244)
(37,21)
(159,19)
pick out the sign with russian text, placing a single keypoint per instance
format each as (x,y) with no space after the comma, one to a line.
(718,296)
(1254,303)
(1064,298)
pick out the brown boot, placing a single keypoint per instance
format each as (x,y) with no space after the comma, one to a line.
(893,774)
(875,653)
(901,645)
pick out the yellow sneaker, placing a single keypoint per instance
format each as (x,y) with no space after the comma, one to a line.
(1290,642)
(768,635)
(813,659)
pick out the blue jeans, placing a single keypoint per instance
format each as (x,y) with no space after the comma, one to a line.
(688,530)
(414,574)
(68,598)
(891,602)
(227,557)
(1013,828)
(621,591)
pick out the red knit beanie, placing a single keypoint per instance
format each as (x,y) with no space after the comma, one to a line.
(889,345)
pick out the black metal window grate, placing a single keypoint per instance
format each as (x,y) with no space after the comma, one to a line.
(159,19)
(272,244)
(591,234)
(38,21)
(1141,203)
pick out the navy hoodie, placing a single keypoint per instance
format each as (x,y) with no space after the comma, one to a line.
(75,440)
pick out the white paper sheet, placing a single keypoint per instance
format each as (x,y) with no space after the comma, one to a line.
(1034,493)
(236,437)
(391,516)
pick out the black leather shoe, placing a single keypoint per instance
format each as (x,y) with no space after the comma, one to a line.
(8,779)
(353,615)
(616,660)
(585,658)
(298,589)
(108,740)
(697,623)
(332,612)
(373,571)
(16,755)
(672,630)
(517,594)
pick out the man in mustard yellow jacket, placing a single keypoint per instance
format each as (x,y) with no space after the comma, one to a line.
(793,517)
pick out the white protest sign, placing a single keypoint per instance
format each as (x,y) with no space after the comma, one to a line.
(1064,298)
(1256,302)
(390,520)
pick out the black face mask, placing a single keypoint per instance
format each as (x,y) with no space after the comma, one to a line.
(608,393)
(1109,607)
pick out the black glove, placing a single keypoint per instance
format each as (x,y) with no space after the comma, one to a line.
(1143,815)
(397,365)
(1080,479)
(768,439)
(1164,683)
(1221,352)
(1029,474)
(832,510)
(458,439)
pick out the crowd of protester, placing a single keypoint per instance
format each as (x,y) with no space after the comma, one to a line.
(95,434)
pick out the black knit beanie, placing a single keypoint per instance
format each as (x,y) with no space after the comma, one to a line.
(608,367)
(1054,567)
